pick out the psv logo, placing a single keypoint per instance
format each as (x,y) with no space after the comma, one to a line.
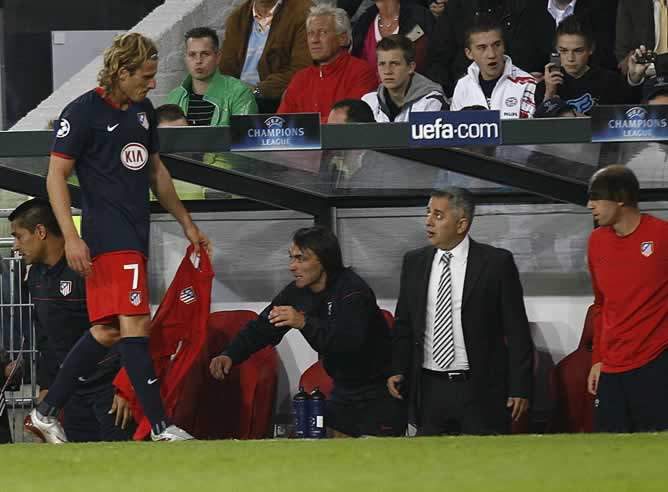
(134,156)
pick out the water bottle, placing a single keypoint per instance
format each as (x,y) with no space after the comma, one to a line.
(317,404)
(301,405)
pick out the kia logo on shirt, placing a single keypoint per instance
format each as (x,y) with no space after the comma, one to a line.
(134,156)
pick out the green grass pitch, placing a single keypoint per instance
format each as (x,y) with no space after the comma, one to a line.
(591,463)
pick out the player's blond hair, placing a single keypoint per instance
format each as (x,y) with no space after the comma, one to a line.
(127,51)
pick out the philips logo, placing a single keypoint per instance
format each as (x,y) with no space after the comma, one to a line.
(455,128)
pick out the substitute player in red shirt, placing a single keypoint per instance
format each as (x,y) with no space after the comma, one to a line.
(628,260)
(109,135)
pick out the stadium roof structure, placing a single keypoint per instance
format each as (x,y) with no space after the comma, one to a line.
(370,165)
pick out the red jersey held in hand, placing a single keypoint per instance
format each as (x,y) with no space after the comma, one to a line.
(178,335)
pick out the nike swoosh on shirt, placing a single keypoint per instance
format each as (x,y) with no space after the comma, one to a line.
(112,128)
(151,381)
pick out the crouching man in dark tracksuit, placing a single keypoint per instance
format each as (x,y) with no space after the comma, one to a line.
(58,293)
(337,314)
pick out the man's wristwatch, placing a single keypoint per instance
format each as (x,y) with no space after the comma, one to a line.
(257,92)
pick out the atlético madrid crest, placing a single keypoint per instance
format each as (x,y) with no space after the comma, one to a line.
(647,248)
(135,297)
(65,287)
(143,120)
(187,295)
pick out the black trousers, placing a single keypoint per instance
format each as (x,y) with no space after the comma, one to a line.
(379,416)
(634,401)
(451,406)
(87,418)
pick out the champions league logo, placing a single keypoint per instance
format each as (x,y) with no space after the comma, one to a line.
(298,131)
(629,123)
(274,122)
(63,128)
(636,113)
(637,123)
(276,132)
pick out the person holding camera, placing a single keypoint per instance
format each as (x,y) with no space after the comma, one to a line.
(640,22)
(570,77)
(643,64)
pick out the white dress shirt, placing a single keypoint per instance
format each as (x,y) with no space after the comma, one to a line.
(457,273)
(557,14)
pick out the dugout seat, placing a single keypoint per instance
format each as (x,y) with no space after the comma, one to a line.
(573,405)
(239,407)
(316,375)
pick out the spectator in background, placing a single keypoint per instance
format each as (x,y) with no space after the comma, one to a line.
(206,96)
(437,7)
(350,111)
(528,26)
(401,90)
(334,75)
(575,81)
(555,108)
(640,70)
(492,80)
(336,312)
(655,91)
(628,262)
(388,17)
(597,16)
(265,45)
(353,6)
(170,115)
(640,22)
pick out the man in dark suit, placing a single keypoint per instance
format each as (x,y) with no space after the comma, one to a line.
(636,25)
(462,350)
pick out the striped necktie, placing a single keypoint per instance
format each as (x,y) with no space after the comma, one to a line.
(444,342)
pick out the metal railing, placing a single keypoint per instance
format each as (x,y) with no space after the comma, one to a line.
(16,325)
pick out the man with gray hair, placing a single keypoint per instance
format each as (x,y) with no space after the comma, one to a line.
(334,75)
(462,350)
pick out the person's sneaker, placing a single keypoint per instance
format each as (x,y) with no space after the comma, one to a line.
(48,429)
(172,433)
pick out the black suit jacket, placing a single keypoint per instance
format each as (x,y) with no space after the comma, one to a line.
(635,26)
(494,321)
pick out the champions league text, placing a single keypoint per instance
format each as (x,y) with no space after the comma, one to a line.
(275,136)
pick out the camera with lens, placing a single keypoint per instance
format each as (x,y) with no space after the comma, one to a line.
(648,57)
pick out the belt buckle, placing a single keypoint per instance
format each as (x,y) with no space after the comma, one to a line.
(455,376)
